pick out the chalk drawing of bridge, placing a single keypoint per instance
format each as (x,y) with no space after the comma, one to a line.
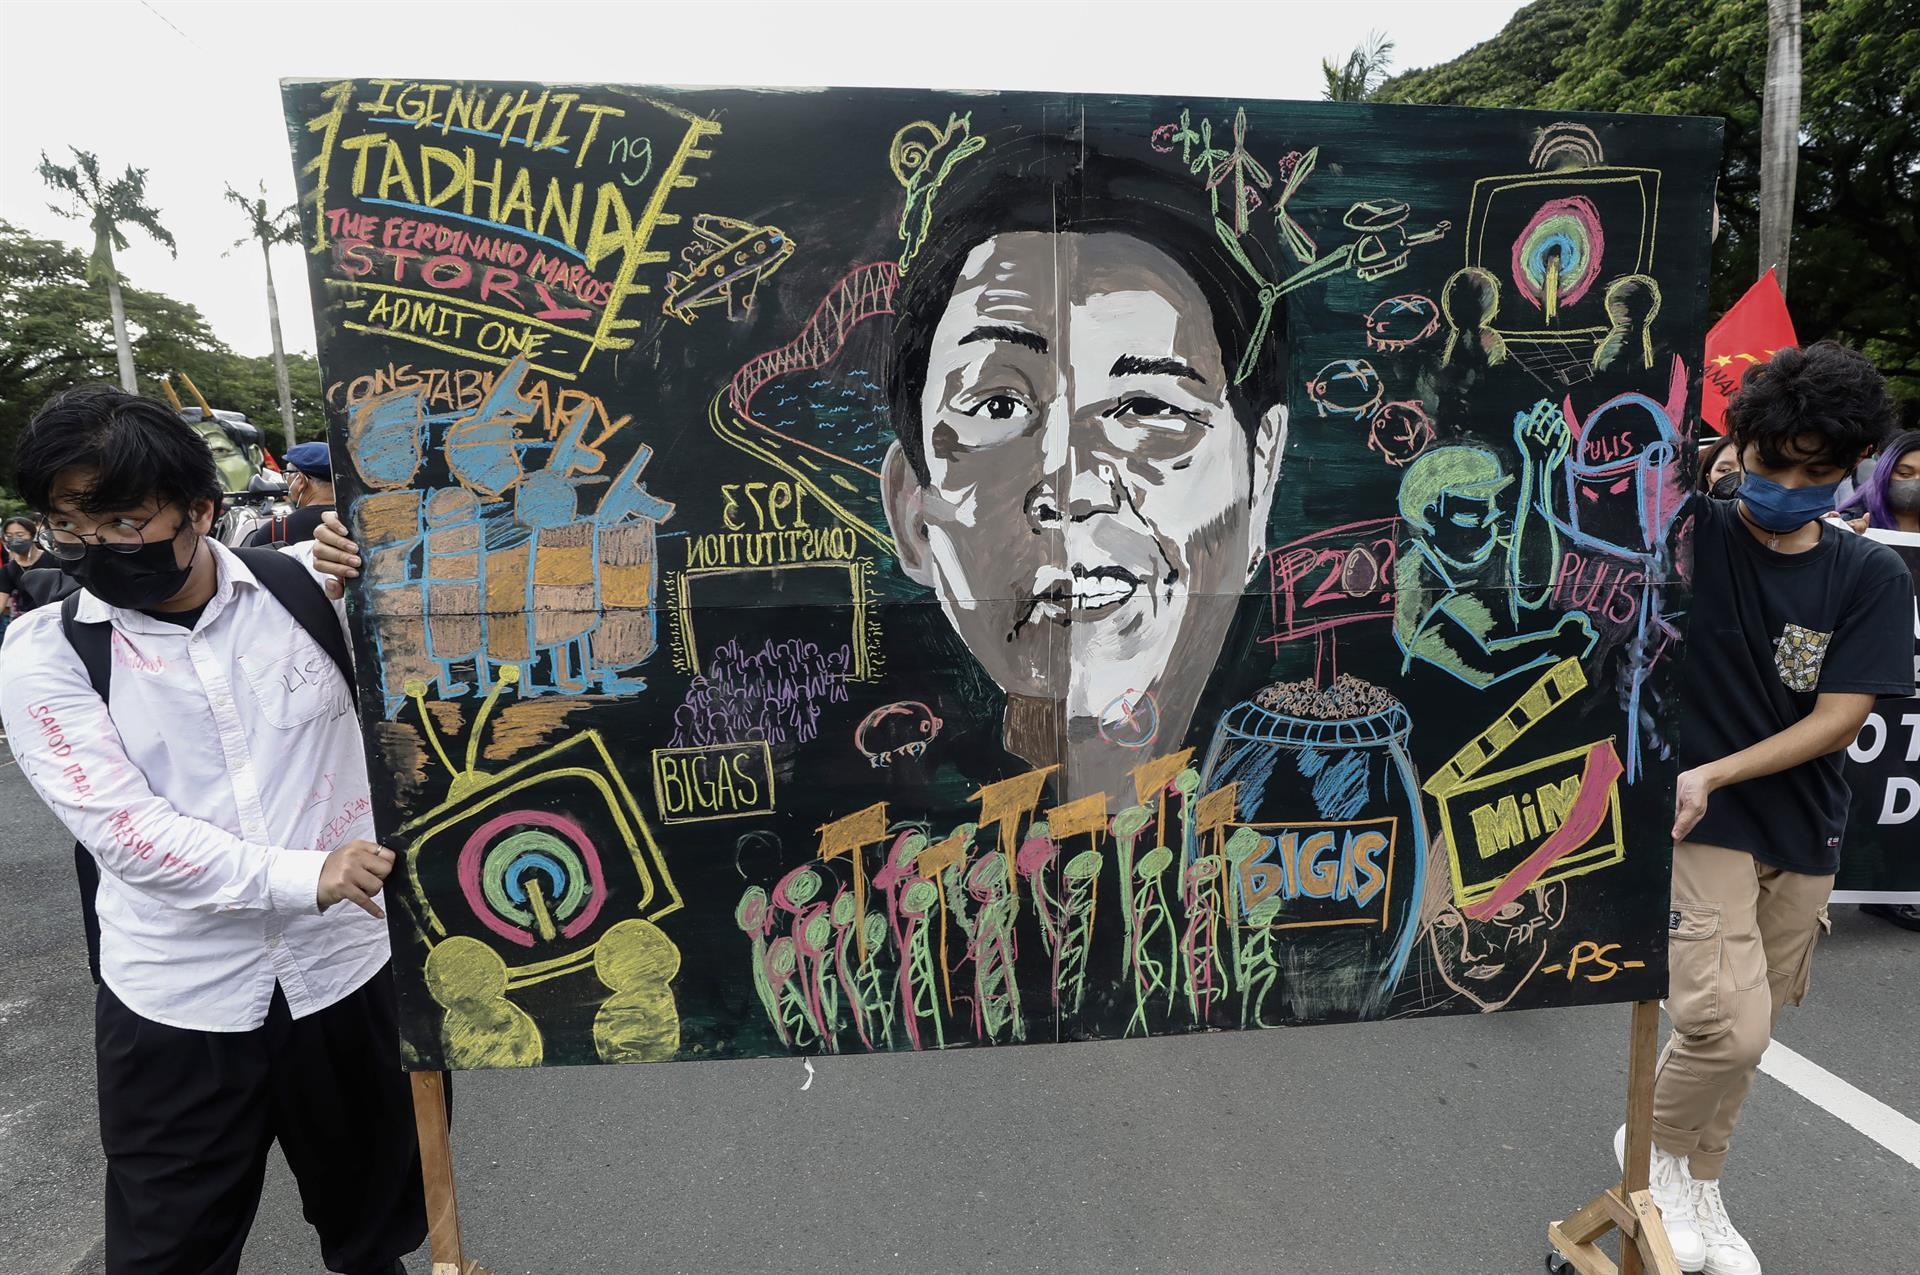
(844,485)
(860,295)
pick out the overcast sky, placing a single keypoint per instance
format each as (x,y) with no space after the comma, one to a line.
(191,90)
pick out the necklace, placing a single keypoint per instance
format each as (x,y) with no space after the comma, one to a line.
(1773,537)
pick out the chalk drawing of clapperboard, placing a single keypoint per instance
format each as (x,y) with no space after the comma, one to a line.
(1534,822)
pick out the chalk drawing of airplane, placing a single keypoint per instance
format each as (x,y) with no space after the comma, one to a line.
(727,262)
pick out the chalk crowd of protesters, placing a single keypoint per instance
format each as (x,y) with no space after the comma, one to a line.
(243,991)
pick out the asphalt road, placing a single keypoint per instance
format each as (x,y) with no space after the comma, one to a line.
(1383,1149)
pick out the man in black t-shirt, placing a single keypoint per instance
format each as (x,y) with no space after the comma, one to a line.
(310,485)
(1797,627)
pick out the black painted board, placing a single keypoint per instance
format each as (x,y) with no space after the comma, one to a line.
(870,569)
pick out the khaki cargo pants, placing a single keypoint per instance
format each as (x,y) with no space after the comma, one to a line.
(1740,946)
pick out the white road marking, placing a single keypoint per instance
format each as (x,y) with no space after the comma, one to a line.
(1875,896)
(1892,1130)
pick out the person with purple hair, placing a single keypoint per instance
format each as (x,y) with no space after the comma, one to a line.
(1890,497)
(1889,500)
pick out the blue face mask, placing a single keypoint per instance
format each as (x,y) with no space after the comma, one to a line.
(1782,509)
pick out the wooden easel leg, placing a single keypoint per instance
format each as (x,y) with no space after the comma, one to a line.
(436,1169)
(1628,1207)
(1641,1061)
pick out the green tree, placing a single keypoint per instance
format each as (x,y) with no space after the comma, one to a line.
(270,230)
(56,332)
(1364,70)
(106,207)
(1511,69)
(1856,228)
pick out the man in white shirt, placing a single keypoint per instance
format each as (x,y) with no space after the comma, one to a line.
(222,790)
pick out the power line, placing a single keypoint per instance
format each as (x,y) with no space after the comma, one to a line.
(169,21)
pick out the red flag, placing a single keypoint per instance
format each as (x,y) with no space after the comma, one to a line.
(1745,337)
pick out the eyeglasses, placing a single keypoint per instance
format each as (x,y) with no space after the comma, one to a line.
(122,535)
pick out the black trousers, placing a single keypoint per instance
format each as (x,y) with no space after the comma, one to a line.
(186,1118)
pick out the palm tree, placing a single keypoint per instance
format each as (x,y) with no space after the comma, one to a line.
(270,230)
(107,206)
(1363,71)
(1779,136)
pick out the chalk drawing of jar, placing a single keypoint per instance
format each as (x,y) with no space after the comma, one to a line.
(1324,776)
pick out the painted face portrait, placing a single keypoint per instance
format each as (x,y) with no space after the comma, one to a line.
(1489,961)
(1093,503)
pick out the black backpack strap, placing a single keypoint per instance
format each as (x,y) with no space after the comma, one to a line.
(93,643)
(294,587)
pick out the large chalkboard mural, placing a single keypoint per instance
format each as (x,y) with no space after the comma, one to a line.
(861,570)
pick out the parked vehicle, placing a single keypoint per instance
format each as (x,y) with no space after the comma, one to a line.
(255,491)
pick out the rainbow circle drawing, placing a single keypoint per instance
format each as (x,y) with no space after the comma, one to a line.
(542,880)
(1557,257)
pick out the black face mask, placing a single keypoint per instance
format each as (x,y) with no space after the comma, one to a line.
(20,547)
(1726,487)
(144,578)
(1903,495)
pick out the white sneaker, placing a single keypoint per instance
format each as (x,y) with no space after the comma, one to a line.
(1728,1252)
(1671,1187)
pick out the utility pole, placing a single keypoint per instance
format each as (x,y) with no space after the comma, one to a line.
(1779,136)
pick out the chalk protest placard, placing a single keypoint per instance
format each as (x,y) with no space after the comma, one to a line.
(1880,858)
(879,570)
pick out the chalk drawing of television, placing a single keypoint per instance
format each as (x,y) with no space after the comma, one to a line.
(548,854)
(1555,240)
